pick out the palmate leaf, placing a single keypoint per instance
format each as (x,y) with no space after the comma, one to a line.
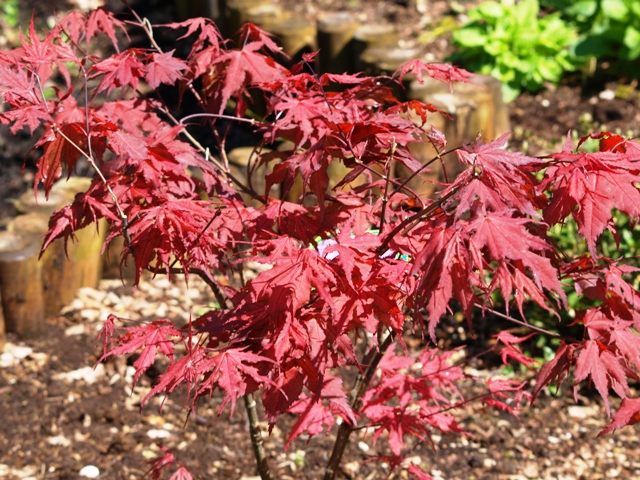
(590,185)
(150,338)
(319,411)
(439,71)
(164,68)
(66,148)
(627,414)
(236,69)
(605,370)
(121,70)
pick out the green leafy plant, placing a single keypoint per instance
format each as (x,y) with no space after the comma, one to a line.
(10,10)
(514,44)
(611,28)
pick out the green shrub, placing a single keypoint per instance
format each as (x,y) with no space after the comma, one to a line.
(516,45)
(611,28)
(9,9)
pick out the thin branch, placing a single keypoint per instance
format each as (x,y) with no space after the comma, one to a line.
(385,197)
(256,437)
(92,162)
(525,324)
(220,116)
(146,26)
(407,222)
(425,165)
(372,359)
(205,151)
(343,136)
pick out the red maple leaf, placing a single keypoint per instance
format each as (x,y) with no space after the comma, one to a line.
(511,350)
(163,68)
(151,338)
(103,21)
(418,472)
(605,370)
(496,177)
(319,412)
(120,70)
(236,69)
(234,370)
(627,414)
(556,369)
(41,55)
(181,474)
(209,34)
(439,71)
(595,183)
(69,144)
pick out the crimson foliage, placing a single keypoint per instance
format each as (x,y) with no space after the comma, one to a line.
(346,269)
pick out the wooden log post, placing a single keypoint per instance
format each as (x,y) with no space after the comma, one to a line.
(30,202)
(197,8)
(86,252)
(235,14)
(386,59)
(477,109)
(56,292)
(21,285)
(33,219)
(265,16)
(296,36)
(63,272)
(3,328)
(372,35)
(336,42)
(242,162)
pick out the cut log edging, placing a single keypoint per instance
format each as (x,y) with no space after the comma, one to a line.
(35,286)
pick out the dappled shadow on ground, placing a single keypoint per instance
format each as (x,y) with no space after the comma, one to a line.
(60,414)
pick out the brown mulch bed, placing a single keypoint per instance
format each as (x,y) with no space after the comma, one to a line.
(60,414)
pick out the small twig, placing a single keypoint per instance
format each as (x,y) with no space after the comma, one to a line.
(92,162)
(425,165)
(205,151)
(221,116)
(344,138)
(385,197)
(525,324)
(200,273)
(406,224)
(372,359)
(145,25)
(256,437)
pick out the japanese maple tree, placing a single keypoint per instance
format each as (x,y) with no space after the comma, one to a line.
(347,270)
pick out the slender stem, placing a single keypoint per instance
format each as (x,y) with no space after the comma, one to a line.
(356,158)
(413,218)
(372,359)
(224,168)
(216,115)
(256,437)
(525,324)
(385,197)
(425,165)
